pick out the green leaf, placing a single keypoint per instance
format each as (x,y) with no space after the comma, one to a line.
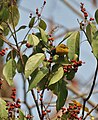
(65,116)
(11,54)
(70,75)
(96,16)
(1,29)
(32,21)
(42,83)
(3,111)
(1,42)
(14,15)
(4,14)
(43,35)
(95,47)
(9,71)
(66,36)
(73,43)
(91,32)
(32,63)
(21,115)
(21,28)
(57,76)
(42,24)
(88,32)
(20,67)
(94,43)
(39,75)
(33,40)
(62,95)
(5,28)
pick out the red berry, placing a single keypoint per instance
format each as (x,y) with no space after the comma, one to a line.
(13,89)
(48,111)
(18,100)
(41,99)
(28,45)
(91,19)
(44,2)
(39,14)
(43,112)
(65,70)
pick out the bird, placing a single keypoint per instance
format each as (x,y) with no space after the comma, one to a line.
(60,50)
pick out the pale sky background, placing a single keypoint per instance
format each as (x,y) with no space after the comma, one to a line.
(61,15)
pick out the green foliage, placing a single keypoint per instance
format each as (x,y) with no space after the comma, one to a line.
(60,90)
(21,115)
(32,63)
(4,14)
(10,55)
(42,24)
(56,76)
(1,42)
(5,28)
(13,16)
(9,71)
(33,40)
(32,21)
(73,43)
(89,33)
(21,28)
(66,36)
(37,76)
(70,75)
(3,111)
(43,35)
(20,67)
(41,72)
(95,47)
(92,34)
(96,16)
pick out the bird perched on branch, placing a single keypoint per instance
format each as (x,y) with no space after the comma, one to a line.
(60,50)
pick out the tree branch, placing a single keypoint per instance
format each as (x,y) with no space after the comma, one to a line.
(91,91)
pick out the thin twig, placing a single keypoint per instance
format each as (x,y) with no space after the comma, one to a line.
(76,92)
(25,95)
(36,102)
(90,112)
(7,42)
(91,91)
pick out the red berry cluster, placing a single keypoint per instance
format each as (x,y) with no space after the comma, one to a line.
(1,81)
(91,19)
(44,112)
(83,10)
(63,110)
(41,97)
(13,95)
(28,116)
(51,39)
(37,12)
(74,66)
(2,52)
(30,15)
(12,107)
(74,110)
